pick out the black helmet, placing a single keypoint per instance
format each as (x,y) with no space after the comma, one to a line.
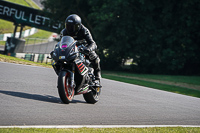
(73,24)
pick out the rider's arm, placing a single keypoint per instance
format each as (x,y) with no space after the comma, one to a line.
(88,37)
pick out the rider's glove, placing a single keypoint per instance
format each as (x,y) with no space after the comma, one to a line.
(86,50)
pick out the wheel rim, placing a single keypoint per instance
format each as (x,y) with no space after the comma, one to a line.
(69,91)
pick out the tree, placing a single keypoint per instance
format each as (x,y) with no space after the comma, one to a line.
(161,36)
(60,9)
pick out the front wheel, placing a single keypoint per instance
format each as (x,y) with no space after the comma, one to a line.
(93,96)
(66,92)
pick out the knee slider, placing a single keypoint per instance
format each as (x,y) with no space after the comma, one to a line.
(93,55)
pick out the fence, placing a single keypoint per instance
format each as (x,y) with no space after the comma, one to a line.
(37,50)
(39,46)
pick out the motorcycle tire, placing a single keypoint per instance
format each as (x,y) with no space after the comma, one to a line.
(93,96)
(66,93)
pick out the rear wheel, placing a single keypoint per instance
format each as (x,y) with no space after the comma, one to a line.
(93,96)
(66,92)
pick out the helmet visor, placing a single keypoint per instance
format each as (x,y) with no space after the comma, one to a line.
(72,28)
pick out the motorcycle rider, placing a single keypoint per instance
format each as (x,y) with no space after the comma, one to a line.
(75,29)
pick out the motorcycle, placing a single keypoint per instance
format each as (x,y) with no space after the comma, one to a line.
(75,75)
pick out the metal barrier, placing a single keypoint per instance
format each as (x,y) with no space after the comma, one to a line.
(37,49)
(39,46)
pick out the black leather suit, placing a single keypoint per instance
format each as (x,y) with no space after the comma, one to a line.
(82,34)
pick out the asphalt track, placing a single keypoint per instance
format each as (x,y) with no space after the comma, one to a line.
(28,96)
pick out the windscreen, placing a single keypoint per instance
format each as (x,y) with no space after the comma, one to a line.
(66,41)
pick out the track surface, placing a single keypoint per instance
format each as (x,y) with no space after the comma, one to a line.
(28,96)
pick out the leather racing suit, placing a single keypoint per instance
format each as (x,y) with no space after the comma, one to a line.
(82,34)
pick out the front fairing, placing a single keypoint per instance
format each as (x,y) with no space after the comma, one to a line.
(66,50)
(68,54)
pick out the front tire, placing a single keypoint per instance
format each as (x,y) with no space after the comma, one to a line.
(65,91)
(93,96)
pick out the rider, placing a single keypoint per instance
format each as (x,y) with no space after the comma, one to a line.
(75,29)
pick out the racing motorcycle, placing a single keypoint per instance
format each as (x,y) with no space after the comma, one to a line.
(75,75)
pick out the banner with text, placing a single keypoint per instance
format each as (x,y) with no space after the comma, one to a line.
(28,16)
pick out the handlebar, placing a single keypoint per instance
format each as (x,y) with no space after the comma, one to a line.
(49,57)
(83,49)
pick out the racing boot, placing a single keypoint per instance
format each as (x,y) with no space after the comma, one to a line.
(94,58)
(97,69)
(97,73)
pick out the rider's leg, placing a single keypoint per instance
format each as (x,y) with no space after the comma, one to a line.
(94,58)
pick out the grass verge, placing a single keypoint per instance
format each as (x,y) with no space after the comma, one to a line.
(28,3)
(11,59)
(40,37)
(105,130)
(170,88)
(193,80)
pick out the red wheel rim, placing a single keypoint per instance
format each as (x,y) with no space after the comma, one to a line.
(68,90)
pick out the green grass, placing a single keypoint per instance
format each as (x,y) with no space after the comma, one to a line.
(105,130)
(41,36)
(193,80)
(28,3)
(170,88)
(8,27)
(5,58)
(2,42)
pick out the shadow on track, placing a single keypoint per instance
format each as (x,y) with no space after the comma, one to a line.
(45,98)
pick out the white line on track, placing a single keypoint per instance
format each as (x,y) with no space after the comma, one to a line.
(97,126)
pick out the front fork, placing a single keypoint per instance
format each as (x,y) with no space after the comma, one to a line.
(72,85)
(72,76)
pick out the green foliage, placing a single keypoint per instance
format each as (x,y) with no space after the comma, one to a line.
(161,36)
(61,9)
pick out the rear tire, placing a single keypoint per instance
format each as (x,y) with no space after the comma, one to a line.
(93,96)
(65,91)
